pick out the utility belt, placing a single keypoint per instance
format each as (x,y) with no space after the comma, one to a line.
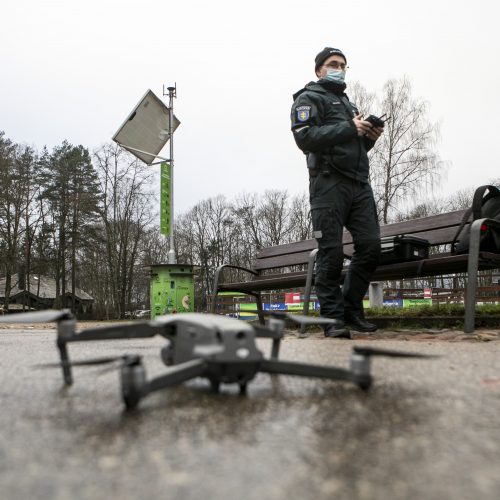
(315,166)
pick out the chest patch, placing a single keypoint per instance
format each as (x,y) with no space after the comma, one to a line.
(303,113)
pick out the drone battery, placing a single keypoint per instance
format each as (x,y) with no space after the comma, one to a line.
(403,248)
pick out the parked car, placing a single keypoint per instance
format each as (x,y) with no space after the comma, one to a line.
(143,314)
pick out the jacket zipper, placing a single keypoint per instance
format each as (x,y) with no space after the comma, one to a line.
(351,113)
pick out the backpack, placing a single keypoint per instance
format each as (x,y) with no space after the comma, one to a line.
(482,207)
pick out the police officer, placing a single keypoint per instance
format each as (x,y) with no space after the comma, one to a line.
(335,137)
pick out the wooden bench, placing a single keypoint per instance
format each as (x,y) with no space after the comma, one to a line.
(271,269)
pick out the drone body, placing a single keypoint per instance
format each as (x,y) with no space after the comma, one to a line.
(220,349)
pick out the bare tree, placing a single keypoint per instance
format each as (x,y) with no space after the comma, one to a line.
(274,214)
(216,232)
(403,162)
(245,210)
(207,235)
(266,217)
(126,215)
(300,218)
(461,199)
(364,100)
(15,168)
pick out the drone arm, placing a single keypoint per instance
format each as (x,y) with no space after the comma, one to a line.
(266,333)
(178,374)
(66,333)
(126,331)
(305,370)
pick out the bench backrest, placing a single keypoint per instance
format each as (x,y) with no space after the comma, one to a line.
(437,229)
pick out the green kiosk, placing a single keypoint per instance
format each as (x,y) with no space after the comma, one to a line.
(171,289)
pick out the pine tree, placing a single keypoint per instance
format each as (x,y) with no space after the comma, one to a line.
(70,189)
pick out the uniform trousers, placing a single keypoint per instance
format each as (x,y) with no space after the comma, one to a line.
(350,204)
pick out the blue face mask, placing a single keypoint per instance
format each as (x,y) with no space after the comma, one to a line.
(335,75)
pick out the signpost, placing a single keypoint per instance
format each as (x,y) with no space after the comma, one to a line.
(144,133)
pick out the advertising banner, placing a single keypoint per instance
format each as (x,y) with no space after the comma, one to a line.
(393,303)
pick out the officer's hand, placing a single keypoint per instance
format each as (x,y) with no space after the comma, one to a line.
(362,126)
(374,133)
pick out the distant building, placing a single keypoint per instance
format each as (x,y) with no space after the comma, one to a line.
(41,294)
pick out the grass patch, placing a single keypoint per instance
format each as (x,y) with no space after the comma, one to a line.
(430,311)
(444,316)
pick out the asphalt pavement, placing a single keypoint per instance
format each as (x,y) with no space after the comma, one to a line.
(428,429)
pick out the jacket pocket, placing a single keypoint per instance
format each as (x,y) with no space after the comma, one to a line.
(326,229)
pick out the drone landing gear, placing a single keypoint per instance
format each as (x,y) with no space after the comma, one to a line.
(65,363)
(135,385)
(316,371)
(133,381)
(365,385)
(360,368)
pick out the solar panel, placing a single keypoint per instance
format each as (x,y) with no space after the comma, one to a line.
(145,131)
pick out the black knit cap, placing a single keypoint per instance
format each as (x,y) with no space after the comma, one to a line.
(325,54)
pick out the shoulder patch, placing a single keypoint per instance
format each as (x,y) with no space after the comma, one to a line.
(303,113)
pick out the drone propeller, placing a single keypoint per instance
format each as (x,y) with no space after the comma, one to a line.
(127,359)
(46,316)
(370,351)
(311,320)
(301,319)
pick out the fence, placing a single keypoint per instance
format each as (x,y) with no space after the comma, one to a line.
(243,306)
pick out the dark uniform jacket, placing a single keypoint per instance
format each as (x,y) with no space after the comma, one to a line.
(322,125)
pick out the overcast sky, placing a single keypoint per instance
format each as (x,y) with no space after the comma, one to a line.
(74,70)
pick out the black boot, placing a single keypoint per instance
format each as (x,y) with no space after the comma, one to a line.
(358,322)
(337,329)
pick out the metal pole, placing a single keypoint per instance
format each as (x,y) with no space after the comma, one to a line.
(171,259)
(376,294)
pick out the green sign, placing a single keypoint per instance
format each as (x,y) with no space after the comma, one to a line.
(417,302)
(405,303)
(165,193)
(299,306)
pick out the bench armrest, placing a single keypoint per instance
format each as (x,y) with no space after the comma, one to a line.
(475,232)
(491,222)
(472,269)
(218,272)
(307,291)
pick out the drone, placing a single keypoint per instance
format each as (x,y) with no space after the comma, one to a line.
(218,348)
